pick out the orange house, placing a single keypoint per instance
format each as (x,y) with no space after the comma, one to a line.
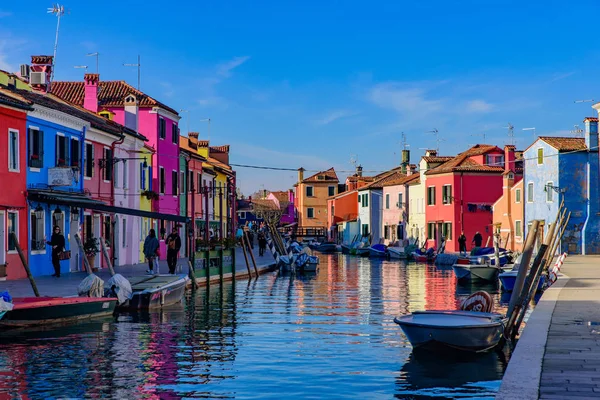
(311,197)
(508,212)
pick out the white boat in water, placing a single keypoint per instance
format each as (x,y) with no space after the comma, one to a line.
(474,272)
(396,252)
(462,330)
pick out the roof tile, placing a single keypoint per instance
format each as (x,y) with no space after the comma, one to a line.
(565,143)
(328,176)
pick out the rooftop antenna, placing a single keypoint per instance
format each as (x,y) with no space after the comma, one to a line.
(138,65)
(437,139)
(404,144)
(577,131)
(584,101)
(530,129)
(354,160)
(59,11)
(480,134)
(97,55)
(85,67)
(511,134)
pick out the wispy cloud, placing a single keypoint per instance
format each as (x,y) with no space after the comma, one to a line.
(224,69)
(169,90)
(558,77)
(334,116)
(398,97)
(208,85)
(89,45)
(478,106)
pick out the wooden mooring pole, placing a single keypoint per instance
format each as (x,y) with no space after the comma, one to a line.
(25,264)
(246,255)
(251,253)
(86,263)
(106,256)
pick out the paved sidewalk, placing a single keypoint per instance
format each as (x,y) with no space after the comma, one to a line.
(67,284)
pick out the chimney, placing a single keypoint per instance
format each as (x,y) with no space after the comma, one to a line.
(405,160)
(591,133)
(301,174)
(90,99)
(430,153)
(359,170)
(291,196)
(509,158)
(12,82)
(412,169)
(130,105)
(40,73)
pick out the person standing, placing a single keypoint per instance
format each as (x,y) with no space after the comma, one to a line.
(150,250)
(57,241)
(262,243)
(173,246)
(477,239)
(462,243)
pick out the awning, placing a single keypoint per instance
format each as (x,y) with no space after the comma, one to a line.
(80,200)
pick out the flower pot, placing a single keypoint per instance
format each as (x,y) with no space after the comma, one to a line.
(91,261)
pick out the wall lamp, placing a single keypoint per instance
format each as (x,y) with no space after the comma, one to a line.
(555,188)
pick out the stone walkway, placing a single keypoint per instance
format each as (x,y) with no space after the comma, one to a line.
(67,284)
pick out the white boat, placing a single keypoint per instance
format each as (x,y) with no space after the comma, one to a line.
(462,330)
(396,252)
(307,263)
(474,272)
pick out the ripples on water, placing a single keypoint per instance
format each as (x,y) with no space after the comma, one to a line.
(325,335)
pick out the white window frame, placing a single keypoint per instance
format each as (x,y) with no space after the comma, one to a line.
(530,191)
(124,234)
(242,214)
(125,180)
(549,192)
(106,160)
(431,232)
(434,195)
(182,183)
(33,169)
(17,155)
(159,124)
(387,202)
(400,198)
(519,199)
(446,200)
(7,231)
(537,156)
(313,212)
(521,226)
(80,161)
(84,160)
(176,194)
(312,188)
(36,252)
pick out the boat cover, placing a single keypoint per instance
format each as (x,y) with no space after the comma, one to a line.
(379,247)
(91,286)
(120,287)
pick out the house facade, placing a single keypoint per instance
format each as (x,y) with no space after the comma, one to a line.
(565,168)
(460,194)
(395,207)
(285,201)
(342,218)
(147,153)
(311,197)
(370,205)
(13,168)
(508,213)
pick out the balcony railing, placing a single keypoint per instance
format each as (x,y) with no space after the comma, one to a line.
(36,162)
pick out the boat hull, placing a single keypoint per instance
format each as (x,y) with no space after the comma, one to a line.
(326,248)
(346,249)
(362,252)
(153,293)
(461,330)
(34,311)
(377,253)
(474,272)
(396,253)
(508,279)
(423,258)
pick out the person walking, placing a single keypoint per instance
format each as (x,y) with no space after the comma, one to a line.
(462,243)
(477,239)
(151,250)
(262,243)
(173,247)
(57,241)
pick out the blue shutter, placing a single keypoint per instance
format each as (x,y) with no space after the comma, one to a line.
(149,177)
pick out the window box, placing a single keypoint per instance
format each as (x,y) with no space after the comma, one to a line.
(150,194)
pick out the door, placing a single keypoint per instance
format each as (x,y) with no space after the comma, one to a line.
(438,235)
(75,260)
(96,229)
(2,238)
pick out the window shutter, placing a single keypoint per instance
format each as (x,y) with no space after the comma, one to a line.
(39,223)
(150,178)
(92,160)
(67,155)
(30,143)
(57,147)
(142,177)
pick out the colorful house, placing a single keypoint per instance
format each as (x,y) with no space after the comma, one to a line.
(416,229)
(194,205)
(147,193)
(509,209)
(395,210)
(565,168)
(13,168)
(311,197)
(460,194)
(285,201)
(122,103)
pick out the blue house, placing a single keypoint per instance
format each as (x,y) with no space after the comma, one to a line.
(565,168)
(245,212)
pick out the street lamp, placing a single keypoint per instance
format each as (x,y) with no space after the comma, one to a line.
(557,189)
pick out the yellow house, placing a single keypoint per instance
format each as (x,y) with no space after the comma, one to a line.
(146,152)
(311,197)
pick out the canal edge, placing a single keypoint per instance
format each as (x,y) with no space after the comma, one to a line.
(522,377)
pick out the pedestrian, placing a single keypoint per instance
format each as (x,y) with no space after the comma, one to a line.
(462,243)
(477,239)
(173,247)
(251,239)
(151,250)
(57,241)
(262,243)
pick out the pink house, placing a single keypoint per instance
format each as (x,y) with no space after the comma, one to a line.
(395,206)
(285,201)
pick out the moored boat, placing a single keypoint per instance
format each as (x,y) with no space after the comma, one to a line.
(396,252)
(307,263)
(474,272)
(34,311)
(362,251)
(423,256)
(346,249)
(378,250)
(326,247)
(508,279)
(156,291)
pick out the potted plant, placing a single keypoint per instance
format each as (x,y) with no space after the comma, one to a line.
(216,243)
(229,243)
(90,247)
(150,194)
(202,245)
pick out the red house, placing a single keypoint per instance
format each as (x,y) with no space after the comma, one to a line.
(13,205)
(460,194)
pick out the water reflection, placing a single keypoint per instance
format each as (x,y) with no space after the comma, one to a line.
(328,334)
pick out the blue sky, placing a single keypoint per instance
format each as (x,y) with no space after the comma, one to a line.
(316,83)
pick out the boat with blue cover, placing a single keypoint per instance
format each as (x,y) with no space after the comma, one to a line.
(378,250)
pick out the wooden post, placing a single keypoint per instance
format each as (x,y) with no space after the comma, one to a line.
(192,275)
(106,256)
(25,264)
(246,255)
(523,266)
(251,255)
(556,239)
(85,260)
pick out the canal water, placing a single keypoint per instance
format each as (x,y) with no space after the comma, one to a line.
(327,335)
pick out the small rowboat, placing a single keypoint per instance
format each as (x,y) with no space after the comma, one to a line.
(473,272)
(508,279)
(396,252)
(156,291)
(378,250)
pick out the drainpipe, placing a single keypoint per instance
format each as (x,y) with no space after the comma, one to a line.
(112,196)
(462,208)
(588,200)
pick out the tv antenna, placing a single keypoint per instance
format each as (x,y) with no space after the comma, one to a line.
(404,144)
(354,160)
(138,65)
(511,133)
(577,131)
(59,11)
(437,139)
(480,134)
(97,55)
(84,67)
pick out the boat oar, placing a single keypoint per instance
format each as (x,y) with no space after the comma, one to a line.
(117,283)
(91,285)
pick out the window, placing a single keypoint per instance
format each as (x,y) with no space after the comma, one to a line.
(431,230)
(331,190)
(124,234)
(107,230)
(386,232)
(162,128)
(182,182)
(242,214)
(191,182)
(38,234)
(13,150)
(142,176)
(117,175)
(365,229)
(89,160)
(62,151)
(174,183)
(540,156)
(387,202)
(530,192)
(161,180)
(517,195)
(108,164)
(518,229)
(494,160)
(75,159)
(309,191)
(447,194)
(58,219)
(431,196)
(87,226)
(310,212)
(447,230)
(400,205)
(400,232)
(175,134)
(124,171)
(13,227)
(35,154)
(549,192)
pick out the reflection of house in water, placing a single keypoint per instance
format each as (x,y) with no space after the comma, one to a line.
(416,287)
(440,293)
(394,289)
